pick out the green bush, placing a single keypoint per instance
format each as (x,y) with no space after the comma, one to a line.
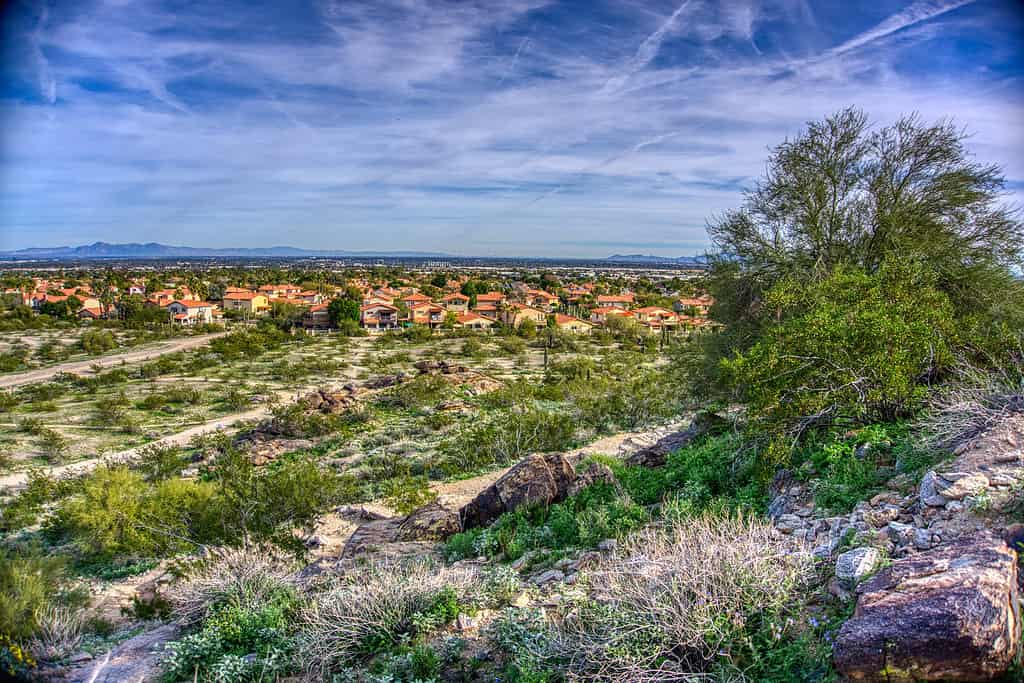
(506,436)
(853,346)
(582,521)
(32,585)
(97,341)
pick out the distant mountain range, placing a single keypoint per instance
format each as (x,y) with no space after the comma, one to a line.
(154,250)
(648,258)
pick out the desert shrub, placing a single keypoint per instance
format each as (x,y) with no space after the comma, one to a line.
(696,599)
(8,401)
(407,493)
(504,437)
(268,503)
(471,347)
(235,399)
(376,607)
(974,400)
(422,391)
(598,512)
(53,443)
(295,421)
(97,341)
(118,513)
(58,633)
(15,359)
(626,402)
(527,646)
(235,644)
(832,356)
(246,577)
(157,462)
(23,510)
(177,395)
(847,468)
(35,393)
(38,605)
(417,334)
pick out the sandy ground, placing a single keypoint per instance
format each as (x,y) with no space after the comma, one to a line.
(17,480)
(85,367)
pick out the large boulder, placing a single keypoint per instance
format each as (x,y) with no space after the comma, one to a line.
(539,479)
(948,614)
(432,522)
(703,423)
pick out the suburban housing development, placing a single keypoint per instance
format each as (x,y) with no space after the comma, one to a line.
(574,307)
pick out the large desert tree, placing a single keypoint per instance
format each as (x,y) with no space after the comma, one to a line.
(881,211)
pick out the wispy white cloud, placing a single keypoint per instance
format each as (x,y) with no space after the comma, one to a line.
(917,12)
(469,127)
(647,51)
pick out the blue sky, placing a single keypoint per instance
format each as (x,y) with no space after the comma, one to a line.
(514,127)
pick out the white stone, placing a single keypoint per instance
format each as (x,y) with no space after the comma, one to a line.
(853,565)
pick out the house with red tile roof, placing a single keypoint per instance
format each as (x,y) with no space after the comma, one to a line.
(515,314)
(457,302)
(473,321)
(600,315)
(379,317)
(190,311)
(624,301)
(572,324)
(538,298)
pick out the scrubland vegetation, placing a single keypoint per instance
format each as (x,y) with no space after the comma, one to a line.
(871,306)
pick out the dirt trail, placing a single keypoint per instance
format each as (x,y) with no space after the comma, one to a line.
(17,480)
(86,366)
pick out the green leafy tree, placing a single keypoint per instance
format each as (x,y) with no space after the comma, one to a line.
(342,309)
(843,198)
(855,346)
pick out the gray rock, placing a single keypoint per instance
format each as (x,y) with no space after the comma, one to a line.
(922,539)
(900,533)
(608,545)
(777,507)
(938,489)
(788,523)
(550,576)
(929,491)
(853,565)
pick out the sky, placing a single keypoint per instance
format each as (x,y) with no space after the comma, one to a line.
(505,128)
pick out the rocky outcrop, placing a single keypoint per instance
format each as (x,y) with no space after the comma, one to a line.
(136,659)
(703,423)
(331,401)
(432,522)
(950,613)
(539,479)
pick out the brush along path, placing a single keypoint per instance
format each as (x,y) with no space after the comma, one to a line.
(86,367)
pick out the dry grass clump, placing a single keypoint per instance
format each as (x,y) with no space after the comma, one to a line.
(58,633)
(680,604)
(971,403)
(373,607)
(249,577)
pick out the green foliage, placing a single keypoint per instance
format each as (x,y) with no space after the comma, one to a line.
(222,649)
(853,346)
(408,493)
(31,583)
(582,521)
(342,309)
(122,513)
(97,341)
(504,437)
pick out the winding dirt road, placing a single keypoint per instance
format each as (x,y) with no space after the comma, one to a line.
(86,366)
